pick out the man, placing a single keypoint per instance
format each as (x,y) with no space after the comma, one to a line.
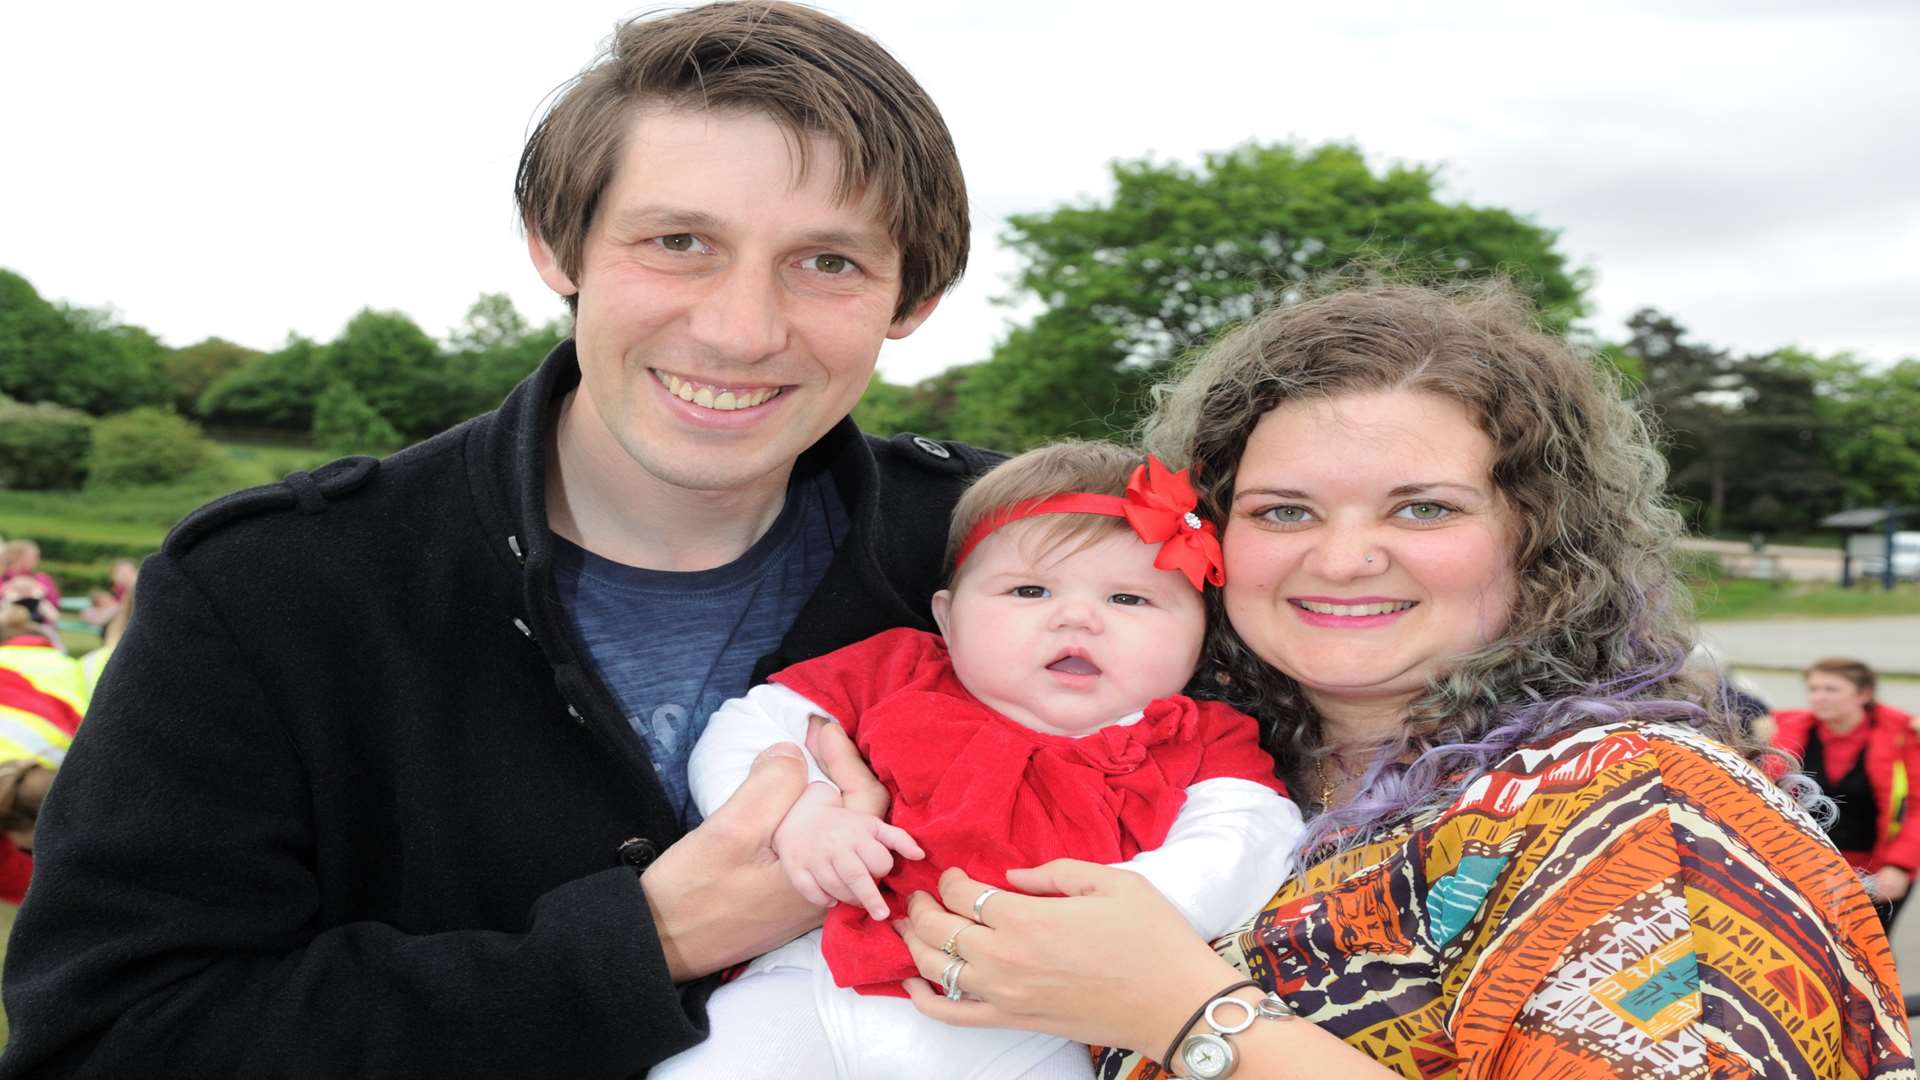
(367,784)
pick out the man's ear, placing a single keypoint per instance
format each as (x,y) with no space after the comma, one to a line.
(549,266)
(911,321)
(942,604)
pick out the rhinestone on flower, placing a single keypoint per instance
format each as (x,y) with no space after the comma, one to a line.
(1191,520)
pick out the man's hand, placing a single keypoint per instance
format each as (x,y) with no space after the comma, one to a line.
(834,853)
(719,896)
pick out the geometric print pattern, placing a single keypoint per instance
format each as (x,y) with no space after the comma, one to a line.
(1626,900)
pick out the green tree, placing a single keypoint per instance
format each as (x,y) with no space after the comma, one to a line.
(493,348)
(925,408)
(397,368)
(1179,253)
(343,423)
(82,358)
(191,370)
(274,390)
(1870,437)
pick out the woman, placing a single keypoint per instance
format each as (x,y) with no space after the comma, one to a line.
(1867,756)
(1448,596)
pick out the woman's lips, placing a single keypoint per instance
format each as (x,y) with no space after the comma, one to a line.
(1349,613)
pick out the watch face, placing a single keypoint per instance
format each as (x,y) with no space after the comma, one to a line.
(1207,1056)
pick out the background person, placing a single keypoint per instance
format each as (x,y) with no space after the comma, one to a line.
(1866,756)
(416,728)
(1449,594)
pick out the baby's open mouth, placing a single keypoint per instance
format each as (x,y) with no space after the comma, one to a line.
(1074,665)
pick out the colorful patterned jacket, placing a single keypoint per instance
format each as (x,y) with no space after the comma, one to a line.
(1627,900)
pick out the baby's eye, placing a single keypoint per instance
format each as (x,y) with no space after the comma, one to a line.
(1424,511)
(1030,592)
(1126,599)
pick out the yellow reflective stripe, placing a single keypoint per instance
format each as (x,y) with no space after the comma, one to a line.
(1899,799)
(24,734)
(50,671)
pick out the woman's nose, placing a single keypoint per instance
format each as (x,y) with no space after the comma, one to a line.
(1347,555)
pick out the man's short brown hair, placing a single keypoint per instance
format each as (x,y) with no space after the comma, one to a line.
(810,73)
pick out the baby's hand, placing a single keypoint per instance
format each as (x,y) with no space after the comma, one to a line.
(833,854)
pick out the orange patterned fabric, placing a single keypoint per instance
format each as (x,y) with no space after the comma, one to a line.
(1621,901)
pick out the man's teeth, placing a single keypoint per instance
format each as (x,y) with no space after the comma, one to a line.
(1355,609)
(708,397)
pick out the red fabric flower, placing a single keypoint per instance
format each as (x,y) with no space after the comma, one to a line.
(1160,505)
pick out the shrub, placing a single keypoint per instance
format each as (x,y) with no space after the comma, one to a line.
(147,446)
(343,423)
(42,446)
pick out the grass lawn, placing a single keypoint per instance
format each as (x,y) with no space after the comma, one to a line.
(1718,597)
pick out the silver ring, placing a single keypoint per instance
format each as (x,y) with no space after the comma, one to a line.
(981,901)
(950,979)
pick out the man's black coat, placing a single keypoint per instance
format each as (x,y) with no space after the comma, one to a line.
(352,802)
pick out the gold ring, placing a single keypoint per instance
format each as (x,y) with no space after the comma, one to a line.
(952,952)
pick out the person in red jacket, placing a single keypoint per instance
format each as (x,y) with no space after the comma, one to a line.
(1866,756)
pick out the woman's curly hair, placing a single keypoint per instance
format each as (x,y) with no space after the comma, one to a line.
(1599,630)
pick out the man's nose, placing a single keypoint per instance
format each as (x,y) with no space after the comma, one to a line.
(742,317)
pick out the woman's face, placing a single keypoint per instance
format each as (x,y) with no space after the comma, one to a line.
(1366,546)
(1833,699)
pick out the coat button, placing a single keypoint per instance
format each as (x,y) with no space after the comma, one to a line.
(931,448)
(638,852)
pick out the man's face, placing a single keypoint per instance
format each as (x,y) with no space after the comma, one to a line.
(730,310)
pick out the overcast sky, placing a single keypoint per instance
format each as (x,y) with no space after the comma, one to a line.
(1751,167)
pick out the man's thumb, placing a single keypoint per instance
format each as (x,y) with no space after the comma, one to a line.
(777,778)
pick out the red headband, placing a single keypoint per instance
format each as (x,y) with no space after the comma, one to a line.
(1158,504)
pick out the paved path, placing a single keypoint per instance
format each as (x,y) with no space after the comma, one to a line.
(1889,644)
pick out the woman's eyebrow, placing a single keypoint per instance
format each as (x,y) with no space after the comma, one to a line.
(1272,492)
(1434,485)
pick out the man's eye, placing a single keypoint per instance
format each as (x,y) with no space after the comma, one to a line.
(1127,600)
(679,242)
(830,264)
(1030,592)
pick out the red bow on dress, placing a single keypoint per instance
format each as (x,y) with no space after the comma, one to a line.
(1159,504)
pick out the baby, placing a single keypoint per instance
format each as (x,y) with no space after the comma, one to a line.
(1045,721)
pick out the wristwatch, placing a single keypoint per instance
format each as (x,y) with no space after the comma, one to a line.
(1210,1055)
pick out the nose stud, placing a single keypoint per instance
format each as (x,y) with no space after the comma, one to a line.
(1369,558)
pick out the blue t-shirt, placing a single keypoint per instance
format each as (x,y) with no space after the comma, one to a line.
(672,646)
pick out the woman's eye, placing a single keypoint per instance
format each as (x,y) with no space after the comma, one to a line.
(1286,515)
(830,264)
(1127,600)
(1030,592)
(1425,511)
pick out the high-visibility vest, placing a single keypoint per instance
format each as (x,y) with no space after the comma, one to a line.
(43,695)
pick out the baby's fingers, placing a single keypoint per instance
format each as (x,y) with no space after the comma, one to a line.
(804,884)
(853,874)
(896,838)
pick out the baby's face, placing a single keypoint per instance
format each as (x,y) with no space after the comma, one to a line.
(1067,641)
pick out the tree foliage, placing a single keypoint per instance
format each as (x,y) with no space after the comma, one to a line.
(78,357)
(344,423)
(42,445)
(191,370)
(146,446)
(1177,254)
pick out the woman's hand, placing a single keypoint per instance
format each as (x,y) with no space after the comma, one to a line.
(1109,961)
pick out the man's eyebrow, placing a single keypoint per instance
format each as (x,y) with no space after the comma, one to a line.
(665,217)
